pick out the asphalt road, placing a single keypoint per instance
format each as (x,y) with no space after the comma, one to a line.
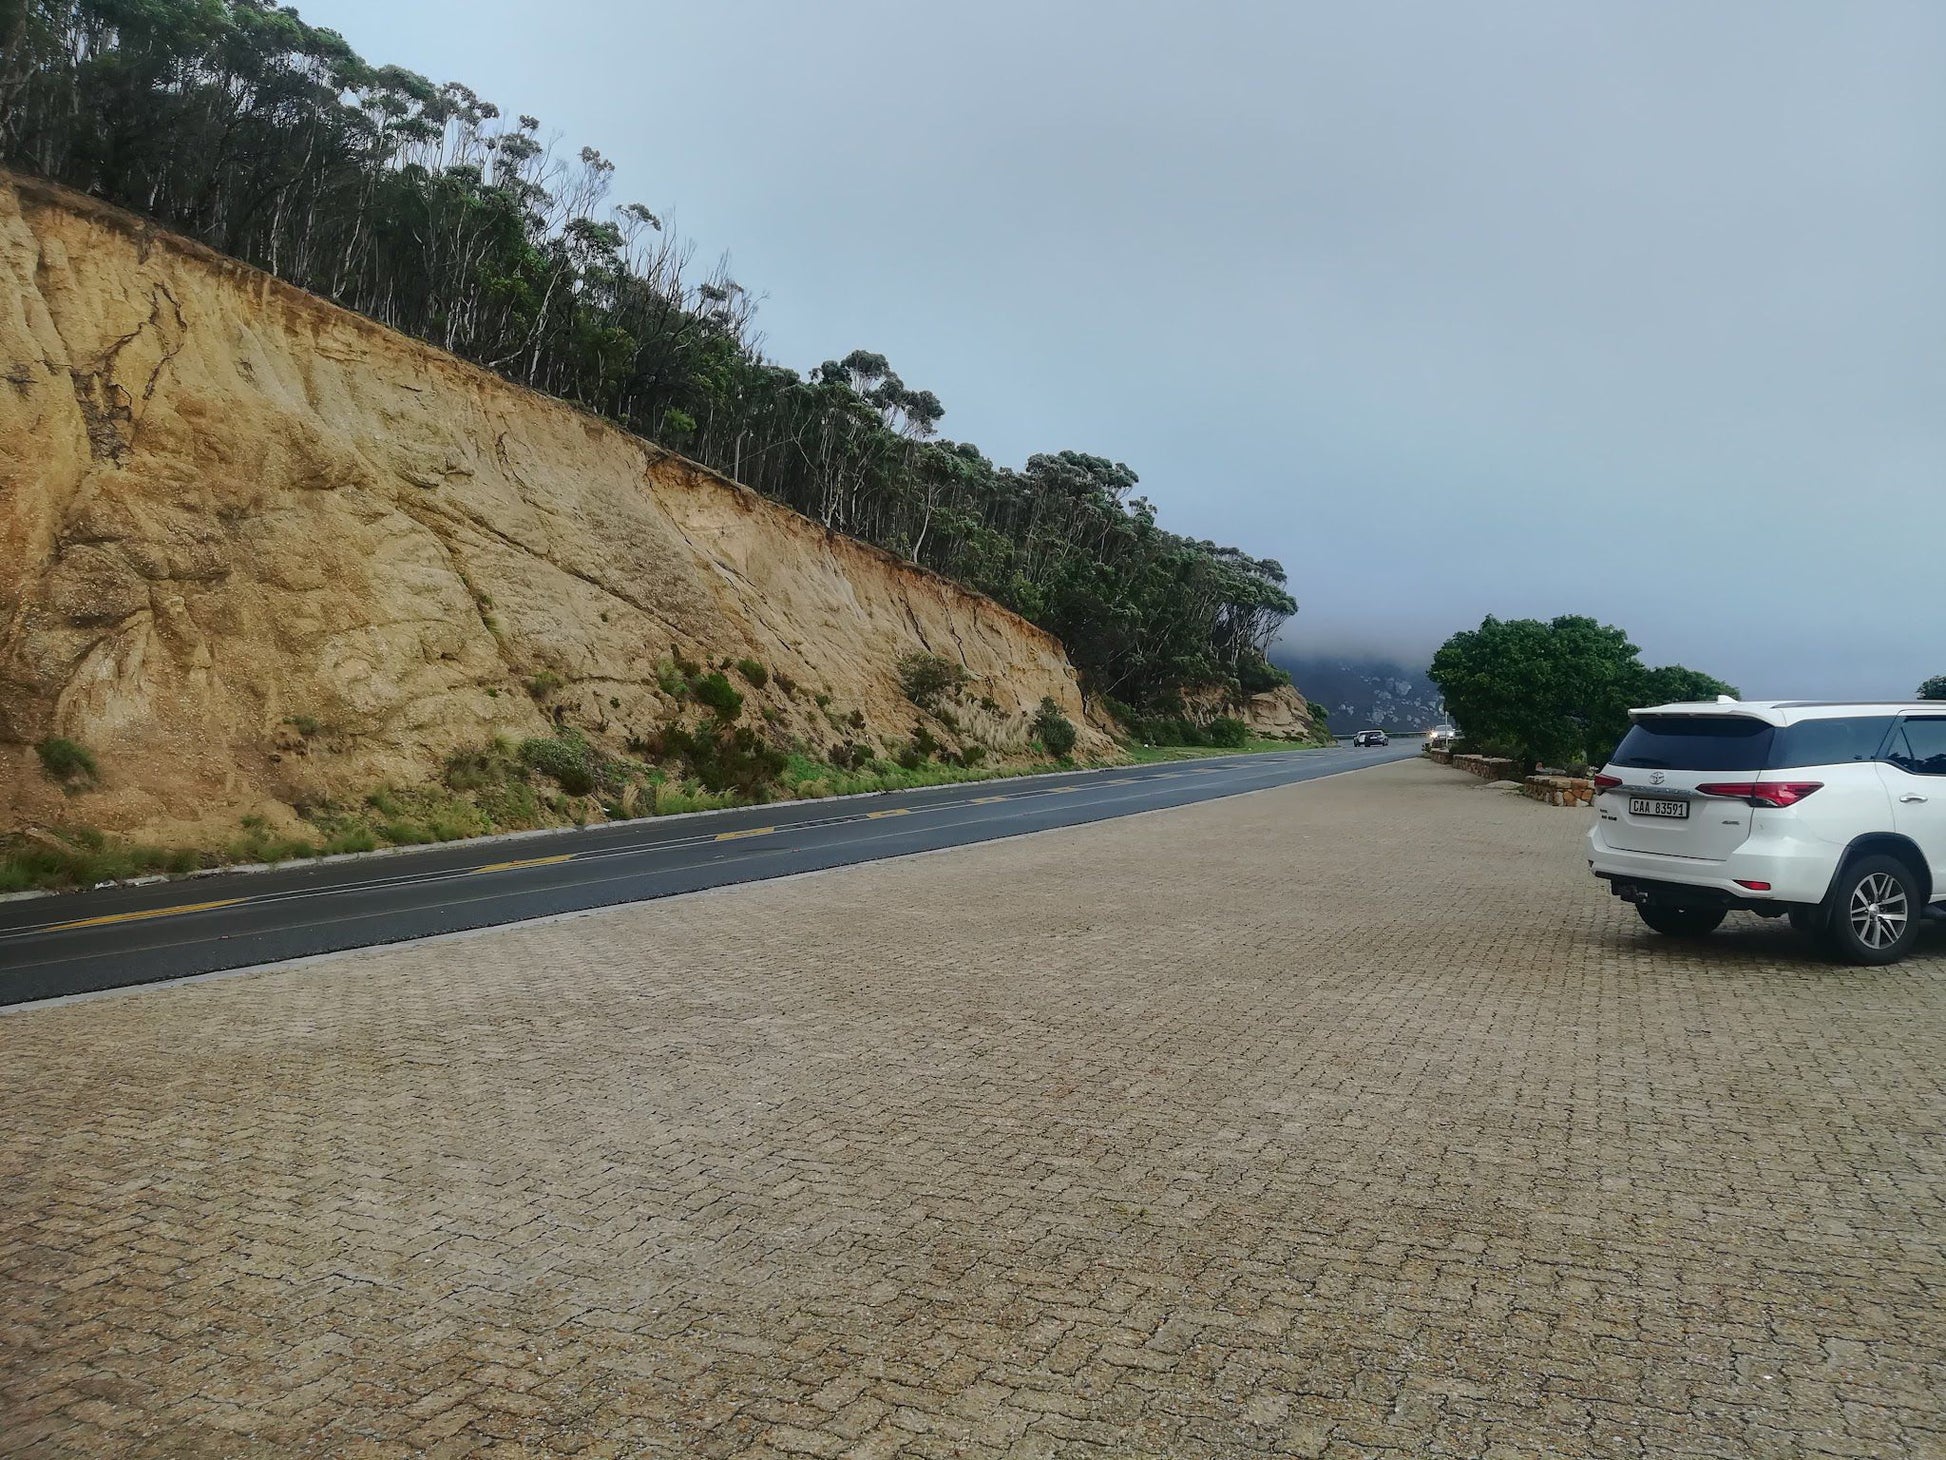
(112,937)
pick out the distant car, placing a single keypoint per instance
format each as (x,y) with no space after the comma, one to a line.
(1371,737)
(1831,814)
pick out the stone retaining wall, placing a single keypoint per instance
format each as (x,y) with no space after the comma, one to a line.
(1560,790)
(1549,790)
(1486,767)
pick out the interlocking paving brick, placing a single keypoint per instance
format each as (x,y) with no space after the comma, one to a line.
(1348,1119)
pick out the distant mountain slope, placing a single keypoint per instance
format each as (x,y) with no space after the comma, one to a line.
(1357,693)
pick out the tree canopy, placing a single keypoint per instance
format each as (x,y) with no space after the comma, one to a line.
(1557,692)
(425,207)
(1934,688)
(1674,685)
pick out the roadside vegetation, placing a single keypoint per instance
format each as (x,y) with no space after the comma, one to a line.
(68,762)
(1252,745)
(1152,731)
(1554,693)
(439,213)
(715,751)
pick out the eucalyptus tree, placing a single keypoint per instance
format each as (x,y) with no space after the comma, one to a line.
(426,207)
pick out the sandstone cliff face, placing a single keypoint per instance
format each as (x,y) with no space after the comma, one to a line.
(256,550)
(1278,714)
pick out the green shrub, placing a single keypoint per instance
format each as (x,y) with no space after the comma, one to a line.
(1256,675)
(822,699)
(67,761)
(672,681)
(260,844)
(726,758)
(475,770)
(751,670)
(972,755)
(1056,730)
(456,821)
(1224,730)
(924,742)
(565,758)
(850,756)
(541,685)
(909,757)
(1228,731)
(925,677)
(304,724)
(856,719)
(785,683)
(715,692)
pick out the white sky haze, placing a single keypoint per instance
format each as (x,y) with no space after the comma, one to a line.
(1635,310)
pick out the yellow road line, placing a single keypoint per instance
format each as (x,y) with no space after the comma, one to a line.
(988,800)
(730,836)
(1121,781)
(136,917)
(1061,790)
(529,862)
(880,815)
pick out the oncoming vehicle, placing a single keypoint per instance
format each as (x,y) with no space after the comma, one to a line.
(1371,737)
(1833,815)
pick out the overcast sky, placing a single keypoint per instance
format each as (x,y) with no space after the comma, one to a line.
(1631,310)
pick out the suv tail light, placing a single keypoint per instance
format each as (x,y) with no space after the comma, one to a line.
(1775,794)
(1607,782)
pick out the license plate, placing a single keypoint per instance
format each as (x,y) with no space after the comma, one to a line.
(1658,806)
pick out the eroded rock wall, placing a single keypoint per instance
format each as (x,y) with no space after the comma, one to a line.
(256,550)
(1276,714)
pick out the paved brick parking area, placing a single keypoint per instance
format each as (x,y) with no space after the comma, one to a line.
(1347,1119)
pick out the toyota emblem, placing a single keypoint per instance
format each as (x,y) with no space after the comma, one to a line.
(1656,778)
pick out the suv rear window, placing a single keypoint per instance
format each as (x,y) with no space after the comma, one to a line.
(1731,743)
(1694,743)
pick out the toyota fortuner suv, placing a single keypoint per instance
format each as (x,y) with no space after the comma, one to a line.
(1833,815)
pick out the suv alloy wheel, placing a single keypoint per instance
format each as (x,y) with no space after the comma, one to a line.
(1872,916)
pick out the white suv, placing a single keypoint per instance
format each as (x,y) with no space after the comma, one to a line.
(1832,814)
